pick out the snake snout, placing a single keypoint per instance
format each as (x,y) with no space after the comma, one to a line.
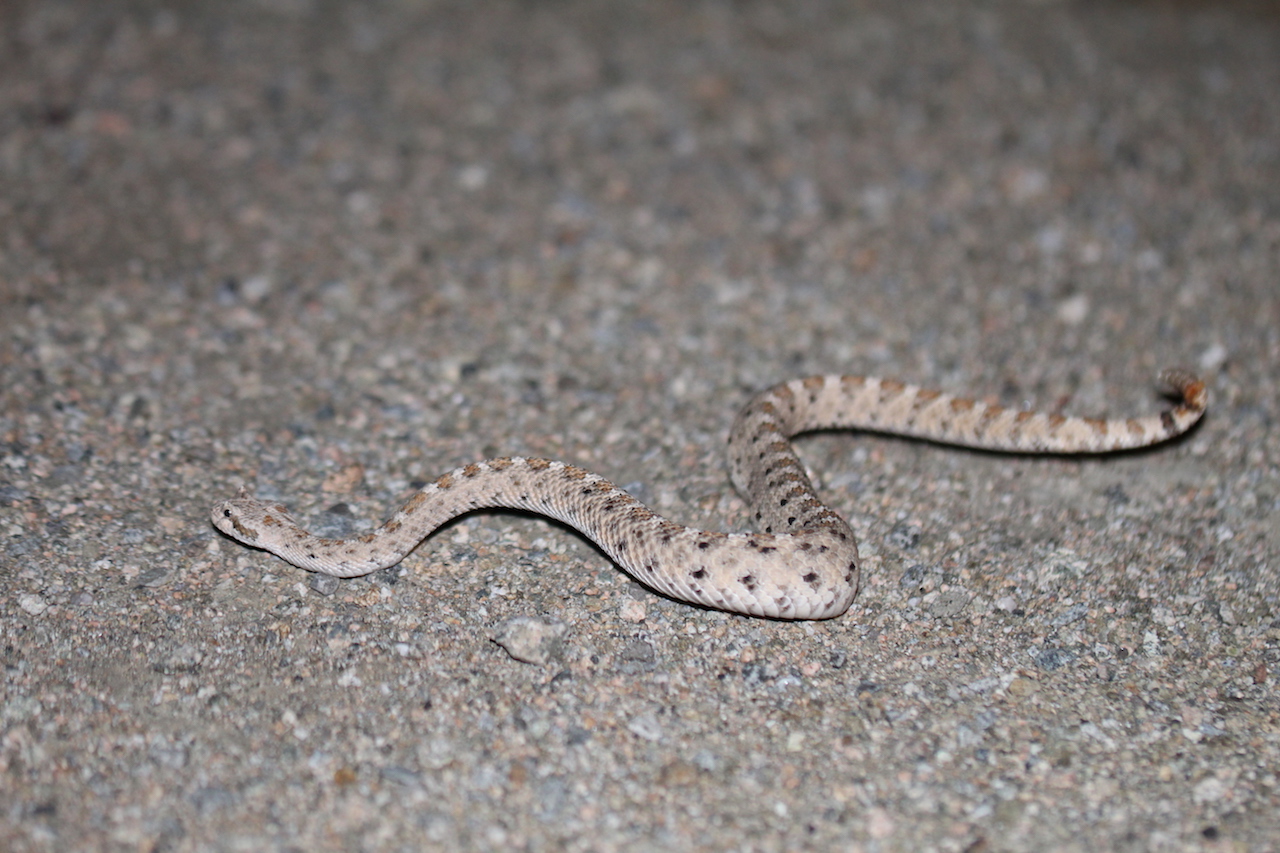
(227,518)
(222,517)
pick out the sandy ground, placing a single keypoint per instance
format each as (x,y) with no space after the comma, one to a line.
(331,250)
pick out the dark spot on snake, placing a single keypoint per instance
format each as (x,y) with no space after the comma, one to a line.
(699,574)
(749,581)
(805,546)
(791,520)
(811,579)
(784,502)
(704,545)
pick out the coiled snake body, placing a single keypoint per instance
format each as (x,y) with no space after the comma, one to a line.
(802,563)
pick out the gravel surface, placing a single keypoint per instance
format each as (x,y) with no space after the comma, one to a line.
(330,250)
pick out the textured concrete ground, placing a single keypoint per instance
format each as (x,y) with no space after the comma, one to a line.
(330,250)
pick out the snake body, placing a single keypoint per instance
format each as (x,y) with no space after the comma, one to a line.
(802,561)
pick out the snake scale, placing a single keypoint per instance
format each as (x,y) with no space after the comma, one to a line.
(801,562)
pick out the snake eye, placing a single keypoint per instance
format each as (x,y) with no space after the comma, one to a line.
(226,513)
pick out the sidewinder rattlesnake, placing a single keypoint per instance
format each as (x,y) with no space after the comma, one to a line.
(802,563)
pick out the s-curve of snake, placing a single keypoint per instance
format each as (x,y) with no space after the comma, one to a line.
(802,561)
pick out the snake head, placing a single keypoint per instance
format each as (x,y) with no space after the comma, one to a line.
(245,519)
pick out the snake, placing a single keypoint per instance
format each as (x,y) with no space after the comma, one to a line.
(801,559)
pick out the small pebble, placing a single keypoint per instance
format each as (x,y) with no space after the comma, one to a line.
(949,603)
(324,584)
(32,603)
(646,726)
(531,639)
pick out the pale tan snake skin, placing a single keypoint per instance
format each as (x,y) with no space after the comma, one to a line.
(803,561)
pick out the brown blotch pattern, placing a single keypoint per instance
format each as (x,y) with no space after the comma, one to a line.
(924,398)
